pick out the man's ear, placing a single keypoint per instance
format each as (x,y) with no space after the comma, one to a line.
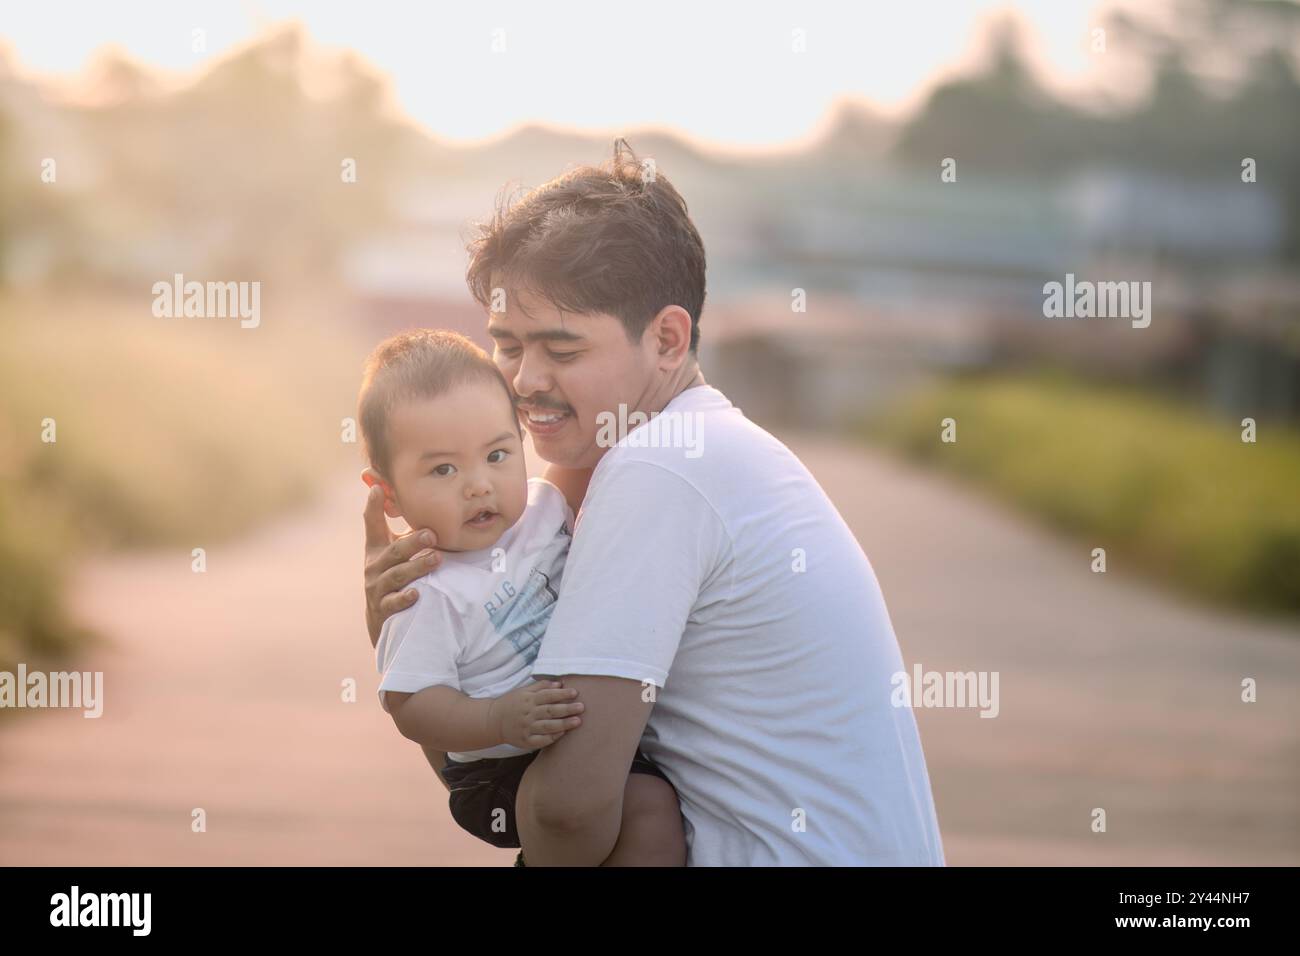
(372,478)
(671,331)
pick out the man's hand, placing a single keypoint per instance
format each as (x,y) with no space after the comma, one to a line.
(536,715)
(392,564)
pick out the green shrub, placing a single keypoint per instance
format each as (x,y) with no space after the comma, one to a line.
(1149,477)
(168,433)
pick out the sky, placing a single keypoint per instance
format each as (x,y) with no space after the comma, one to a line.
(721,73)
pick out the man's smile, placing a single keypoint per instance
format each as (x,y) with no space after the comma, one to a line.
(543,422)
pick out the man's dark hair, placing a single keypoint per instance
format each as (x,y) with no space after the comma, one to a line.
(614,238)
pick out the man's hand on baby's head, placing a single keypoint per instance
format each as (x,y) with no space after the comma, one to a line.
(391,564)
(536,714)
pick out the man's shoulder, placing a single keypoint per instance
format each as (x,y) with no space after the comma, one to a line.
(707,441)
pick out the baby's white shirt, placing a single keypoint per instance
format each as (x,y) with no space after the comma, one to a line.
(478,624)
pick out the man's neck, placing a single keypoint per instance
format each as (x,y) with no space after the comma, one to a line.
(688,376)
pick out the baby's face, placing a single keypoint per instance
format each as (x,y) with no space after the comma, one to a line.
(458,465)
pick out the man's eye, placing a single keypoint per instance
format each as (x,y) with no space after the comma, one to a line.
(562,356)
(511,352)
(450,470)
(501,452)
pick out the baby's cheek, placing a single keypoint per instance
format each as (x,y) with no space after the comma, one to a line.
(450,530)
(436,520)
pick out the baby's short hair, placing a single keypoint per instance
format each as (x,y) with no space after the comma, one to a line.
(421,363)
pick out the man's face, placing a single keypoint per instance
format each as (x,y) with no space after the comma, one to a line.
(458,465)
(566,368)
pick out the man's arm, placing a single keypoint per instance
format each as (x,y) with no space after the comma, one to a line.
(570,802)
(649,540)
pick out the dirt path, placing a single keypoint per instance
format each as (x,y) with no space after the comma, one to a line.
(223,691)
(1113,695)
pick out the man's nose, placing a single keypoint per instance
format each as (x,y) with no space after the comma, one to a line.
(529,378)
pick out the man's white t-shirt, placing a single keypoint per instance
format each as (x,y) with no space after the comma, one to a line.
(481,615)
(719,571)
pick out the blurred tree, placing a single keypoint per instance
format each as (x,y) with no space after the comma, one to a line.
(1001,121)
(5,201)
(996,120)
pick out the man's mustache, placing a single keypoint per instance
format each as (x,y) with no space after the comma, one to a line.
(540,405)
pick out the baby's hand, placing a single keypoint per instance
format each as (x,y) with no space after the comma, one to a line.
(536,715)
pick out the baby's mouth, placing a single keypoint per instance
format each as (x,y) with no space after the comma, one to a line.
(482,519)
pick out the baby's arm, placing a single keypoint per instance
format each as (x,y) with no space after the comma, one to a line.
(441,718)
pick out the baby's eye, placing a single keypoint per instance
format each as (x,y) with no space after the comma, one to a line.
(501,452)
(450,470)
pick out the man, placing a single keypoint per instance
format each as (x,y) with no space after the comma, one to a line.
(716,610)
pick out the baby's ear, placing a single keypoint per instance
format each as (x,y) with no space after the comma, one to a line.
(372,478)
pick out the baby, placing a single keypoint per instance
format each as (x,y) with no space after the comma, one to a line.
(445,444)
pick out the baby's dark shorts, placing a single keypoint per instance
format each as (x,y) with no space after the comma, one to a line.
(480,788)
